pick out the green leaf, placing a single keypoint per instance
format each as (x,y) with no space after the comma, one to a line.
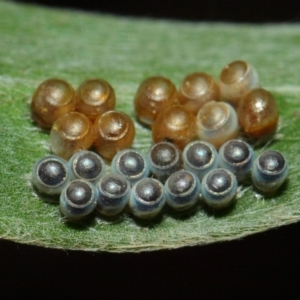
(39,43)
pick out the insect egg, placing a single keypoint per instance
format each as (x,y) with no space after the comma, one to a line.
(217,123)
(78,199)
(50,175)
(53,98)
(236,80)
(115,131)
(219,188)
(131,164)
(94,97)
(153,95)
(200,157)
(175,124)
(164,159)
(258,113)
(197,89)
(87,165)
(236,156)
(71,133)
(147,198)
(182,190)
(113,194)
(269,171)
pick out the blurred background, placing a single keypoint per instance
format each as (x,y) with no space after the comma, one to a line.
(192,10)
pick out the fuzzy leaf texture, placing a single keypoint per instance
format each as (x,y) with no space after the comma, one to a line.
(39,43)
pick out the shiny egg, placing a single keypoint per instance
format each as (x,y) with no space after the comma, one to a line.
(50,175)
(269,171)
(131,164)
(217,123)
(77,200)
(258,113)
(113,194)
(114,131)
(94,97)
(236,80)
(87,165)
(200,157)
(237,156)
(218,188)
(197,89)
(53,98)
(71,133)
(175,124)
(182,190)
(164,159)
(153,95)
(147,198)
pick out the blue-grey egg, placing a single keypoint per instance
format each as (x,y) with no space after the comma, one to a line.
(182,190)
(269,171)
(50,175)
(113,194)
(147,198)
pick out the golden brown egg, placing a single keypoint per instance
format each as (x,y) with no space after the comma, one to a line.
(236,80)
(53,98)
(71,133)
(114,131)
(175,124)
(258,113)
(197,89)
(153,95)
(94,97)
(217,123)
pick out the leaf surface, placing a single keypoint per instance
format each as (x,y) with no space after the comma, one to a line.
(39,43)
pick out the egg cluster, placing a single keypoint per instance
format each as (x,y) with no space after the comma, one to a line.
(82,118)
(204,109)
(178,179)
(196,154)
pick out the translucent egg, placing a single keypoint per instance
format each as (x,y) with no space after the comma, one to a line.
(217,123)
(236,80)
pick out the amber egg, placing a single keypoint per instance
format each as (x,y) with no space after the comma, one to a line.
(153,95)
(53,98)
(258,113)
(217,123)
(175,124)
(114,132)
(94,97)
(236,80)
(197,89)
(71,133)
